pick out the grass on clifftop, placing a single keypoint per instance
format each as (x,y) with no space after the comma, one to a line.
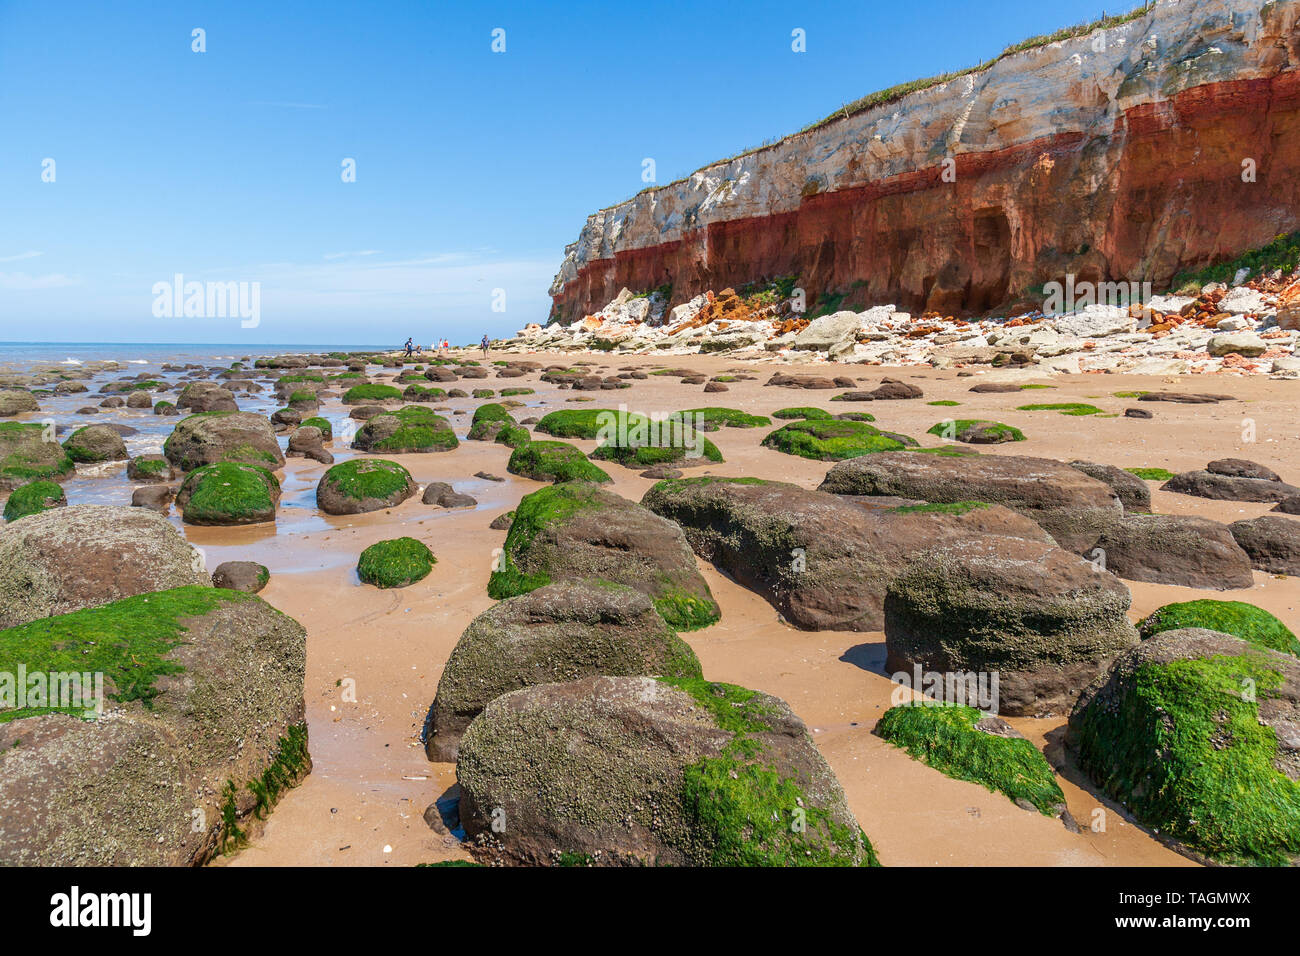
(127,641)
(1246,621)
(395,563)
(944,737)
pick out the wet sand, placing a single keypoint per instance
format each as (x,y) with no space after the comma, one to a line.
(364,800)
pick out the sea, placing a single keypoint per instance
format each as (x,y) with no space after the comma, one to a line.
(15,355)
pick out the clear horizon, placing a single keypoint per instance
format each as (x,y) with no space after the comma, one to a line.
(131,158)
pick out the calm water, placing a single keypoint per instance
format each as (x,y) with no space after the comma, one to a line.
(14,355)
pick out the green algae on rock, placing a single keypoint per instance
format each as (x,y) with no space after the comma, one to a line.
(830,440)
(206,438)
(559,632)
(1192,731)
(370,393)
(228,493)
(28,453)
(962,743)
(363,484)
(1252,624)
(576,530)
(205,688)
(802,411)
(395,563)
(640,771)
(34,497)
(554,461)
(405,430)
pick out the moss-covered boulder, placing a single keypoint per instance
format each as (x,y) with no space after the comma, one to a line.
(207,397)
(638,771)
(802,411)
(423,393)
(211,437)
(554,461)
(1194,732)
(228,493)
(16,401)
(823,562)
(406,430)
(512,436)
(149,468)
(95,443)
(81,556)
(975,431)
(588,422)
(29,452)
(574,531)
(713,417)
(962,743)
(363,484)
(316,421)
(683,447)
(830,439)
(203,691)
(34,497)
(492,412)
(1252,624)
(371,393)
(395,563)
(559,632)
(1045,621)
(1072,507)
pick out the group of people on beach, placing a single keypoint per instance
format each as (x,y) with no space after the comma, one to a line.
(441,347)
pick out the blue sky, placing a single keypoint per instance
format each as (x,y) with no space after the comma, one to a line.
(473,169)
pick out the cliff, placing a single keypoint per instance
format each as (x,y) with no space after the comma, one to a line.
(1114,156)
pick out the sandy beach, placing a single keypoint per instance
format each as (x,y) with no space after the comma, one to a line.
(363,803)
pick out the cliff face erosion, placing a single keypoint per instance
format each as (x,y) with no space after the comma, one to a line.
(1128,154)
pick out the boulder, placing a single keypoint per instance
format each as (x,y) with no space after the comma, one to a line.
(151,468)
(835,333)
(207,397)
(95,443)
(15,401)
(154,497)
(210,437)
(29,452)
(559,632)
(634,771)
(1045,621)
(247,576)
(575,530)
(34,497)
(412,428)
(228,493)
(1271,541)
(204,729)
(1175,549)
(1071,506)
(1229,484)
(1245,344)
(445,496)
(309,442)
(824,563)
(86,555)
(363,484)
(1132,491)
(1170,734)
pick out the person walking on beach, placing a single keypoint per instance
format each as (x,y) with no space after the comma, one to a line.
(410,348)
(484,345)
